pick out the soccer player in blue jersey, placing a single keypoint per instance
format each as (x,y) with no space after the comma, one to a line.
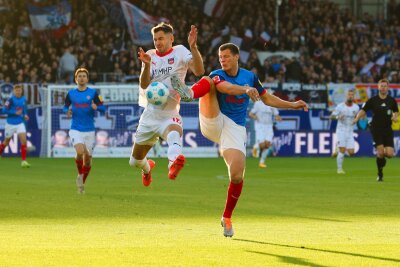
(16,111)
(82,103)
(224,98)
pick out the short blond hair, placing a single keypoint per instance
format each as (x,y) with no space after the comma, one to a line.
(79,70)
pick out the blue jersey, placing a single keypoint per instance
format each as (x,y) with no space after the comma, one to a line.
(82,111)
(235,106)
(12,106)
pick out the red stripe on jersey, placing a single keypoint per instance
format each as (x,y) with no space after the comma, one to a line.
(263,92)
(166,53)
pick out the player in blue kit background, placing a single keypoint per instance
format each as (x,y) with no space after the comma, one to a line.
(16,110)
(82,103)
(224,99)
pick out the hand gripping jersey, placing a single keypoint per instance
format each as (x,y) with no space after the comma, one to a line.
(11,107)
(235,106)
(82,111)
(175,61)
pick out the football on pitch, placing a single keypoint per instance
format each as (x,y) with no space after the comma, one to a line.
(157,93)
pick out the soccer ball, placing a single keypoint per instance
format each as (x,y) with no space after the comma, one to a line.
(157,93)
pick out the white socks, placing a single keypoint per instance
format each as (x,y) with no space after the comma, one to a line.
(174,146)
(143,164)
(264,154)
(339,160)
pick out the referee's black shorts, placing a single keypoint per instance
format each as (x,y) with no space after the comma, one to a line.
(383,137)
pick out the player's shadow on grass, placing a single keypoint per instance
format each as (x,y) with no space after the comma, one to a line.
(320,250)
(290,260)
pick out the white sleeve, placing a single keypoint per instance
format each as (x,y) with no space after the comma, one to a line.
(336,112)
(185,54)
(275,111)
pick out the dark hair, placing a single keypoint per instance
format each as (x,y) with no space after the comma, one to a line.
(81,70)
(232,47)
(384,81)
(165,27)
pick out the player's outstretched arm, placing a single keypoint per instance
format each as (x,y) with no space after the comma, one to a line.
(276,102)
(196,64)
(234,89)
(360,115)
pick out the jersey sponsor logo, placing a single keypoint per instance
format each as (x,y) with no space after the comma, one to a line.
(162,71)
(171,61)
(233,99)
(78,105)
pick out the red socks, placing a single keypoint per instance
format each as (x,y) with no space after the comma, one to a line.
(232,198)
(2,146)
(85,171)
(23,152)
(79,164)
(201,88)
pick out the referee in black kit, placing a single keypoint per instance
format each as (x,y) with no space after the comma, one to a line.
(385,110)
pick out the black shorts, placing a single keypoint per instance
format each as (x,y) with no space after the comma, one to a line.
(383,137)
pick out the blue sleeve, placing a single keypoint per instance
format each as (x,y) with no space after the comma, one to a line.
(258,85)
(7,107)
(67,103)
(25,108)
(99,102)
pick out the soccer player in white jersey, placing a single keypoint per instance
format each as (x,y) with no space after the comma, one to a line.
(263,117)
(345,113)
(164,121)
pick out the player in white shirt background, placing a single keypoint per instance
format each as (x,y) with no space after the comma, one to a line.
(345,113)
(263,117)
(163,121)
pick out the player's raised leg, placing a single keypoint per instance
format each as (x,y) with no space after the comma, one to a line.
(173,135)
(198,90)
(138,159)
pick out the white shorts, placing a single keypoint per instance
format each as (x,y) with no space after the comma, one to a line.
(152,125)
(86,138)
(11,129)
(264,133)
(345,139)
(224,131)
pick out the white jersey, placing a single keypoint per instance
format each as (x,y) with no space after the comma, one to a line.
(265,114)
(174,62)
(348,113)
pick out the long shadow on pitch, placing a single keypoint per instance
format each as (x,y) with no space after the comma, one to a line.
(290,260)
(320,250)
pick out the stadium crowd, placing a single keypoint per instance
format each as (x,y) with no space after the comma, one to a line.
(332,44)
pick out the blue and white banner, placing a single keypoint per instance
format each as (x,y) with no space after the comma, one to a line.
(139,23)
(50,17)
(322,143)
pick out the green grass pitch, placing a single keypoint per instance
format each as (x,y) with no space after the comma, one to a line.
(297,212)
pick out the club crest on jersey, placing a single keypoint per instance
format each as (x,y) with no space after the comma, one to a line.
(171,61)
(88,97)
